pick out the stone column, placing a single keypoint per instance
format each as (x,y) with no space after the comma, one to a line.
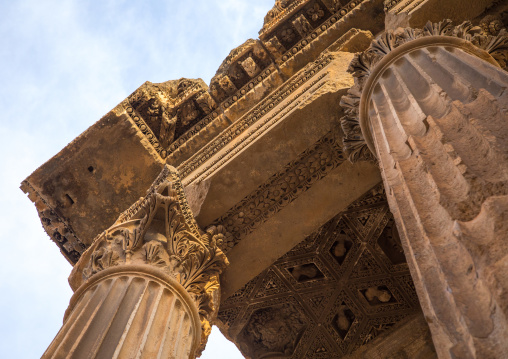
(148,286)
(432,106)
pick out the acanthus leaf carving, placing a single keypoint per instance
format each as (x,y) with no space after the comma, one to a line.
(384,45)
(101,259)
(155,254)
(363,63)
(496,46)
(438,28)
(160,230)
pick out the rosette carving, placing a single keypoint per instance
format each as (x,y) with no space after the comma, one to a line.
(363,63)
(160,230)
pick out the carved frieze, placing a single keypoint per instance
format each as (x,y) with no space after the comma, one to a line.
(288,29)
(165,112)
(159,230)
(281,9)
(243,125)
(171,113)
(363,63)
(302,25)
(282,188)
(337,286)
(316,12)
(237,72)
(275,47)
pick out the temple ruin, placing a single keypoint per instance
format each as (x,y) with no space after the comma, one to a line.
(339,190)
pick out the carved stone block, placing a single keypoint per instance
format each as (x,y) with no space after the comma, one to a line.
(302,25)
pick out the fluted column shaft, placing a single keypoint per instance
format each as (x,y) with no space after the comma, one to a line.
(128,312)
(148,286)
(434,112)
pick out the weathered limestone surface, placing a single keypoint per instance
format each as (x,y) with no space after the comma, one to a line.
(129,313)
(282,231)
(281,132)
(318,269)
(184,123)
(148,286)
(416,13)
(433,108)
(80,192)
(332,294)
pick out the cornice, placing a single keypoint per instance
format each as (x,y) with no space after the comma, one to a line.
(279,13)
(55,226)
(282,188)
(241,126)
(226,92)
(251,109)
(339,14)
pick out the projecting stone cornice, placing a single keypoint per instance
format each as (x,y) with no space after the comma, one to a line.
(192,127)
(251,72)
(262,117)
(81,181)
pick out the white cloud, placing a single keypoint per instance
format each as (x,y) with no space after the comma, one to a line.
(64,65)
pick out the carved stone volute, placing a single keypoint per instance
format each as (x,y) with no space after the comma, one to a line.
(159,231)
(471,38)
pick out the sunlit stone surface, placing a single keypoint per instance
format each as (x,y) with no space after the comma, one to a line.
(310,202)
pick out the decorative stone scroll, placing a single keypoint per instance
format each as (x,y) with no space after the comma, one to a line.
(156,250)
(363,64)
(432,105)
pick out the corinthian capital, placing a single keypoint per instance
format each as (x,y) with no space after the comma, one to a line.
(392,44)
(159,232)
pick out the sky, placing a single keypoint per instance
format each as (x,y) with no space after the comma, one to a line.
(64,64)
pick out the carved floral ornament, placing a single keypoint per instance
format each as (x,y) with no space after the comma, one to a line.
(280,8)
(338,289)
(365,63)
(159,230)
